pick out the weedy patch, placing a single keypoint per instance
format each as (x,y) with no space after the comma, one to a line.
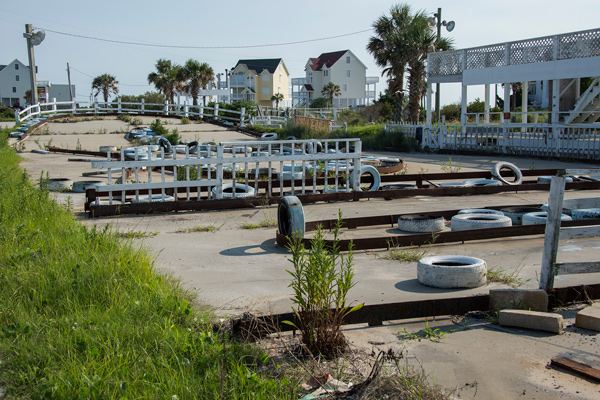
(136,234)
(450,167)
(268,222)
(433,334)
(209,228)
(512,279)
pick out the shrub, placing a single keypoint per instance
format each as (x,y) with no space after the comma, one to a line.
(158,127)
(174,137)
(320,102)
(322,278)
(185,120)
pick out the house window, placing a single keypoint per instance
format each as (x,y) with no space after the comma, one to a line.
(266,90)
(345,88)
(347,59)
(16,66)
(279,89)
(347,73)
(280,78)
(17,78)
(14,89)
(265,77)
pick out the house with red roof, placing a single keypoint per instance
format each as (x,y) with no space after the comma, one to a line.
(342,68)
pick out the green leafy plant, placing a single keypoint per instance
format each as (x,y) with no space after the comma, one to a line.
(502,276)
(124,118)
(433,334)
(450,167)
(136,234)
(185,120)
(136,121)
(209,228)
(321,280)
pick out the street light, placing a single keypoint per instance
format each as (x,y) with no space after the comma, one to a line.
(33,39)
(437,21)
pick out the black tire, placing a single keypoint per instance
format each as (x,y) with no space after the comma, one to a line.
(421,223)
(165,144)
(516,213)
(290,217)
(466,222)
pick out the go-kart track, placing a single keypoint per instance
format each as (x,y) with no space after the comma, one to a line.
(234,270)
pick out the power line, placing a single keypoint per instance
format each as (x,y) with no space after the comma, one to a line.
(120,84)
(203,47)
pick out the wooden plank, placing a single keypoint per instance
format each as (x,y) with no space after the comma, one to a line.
(577,268)
(580,232)
(577,367)
(555,201)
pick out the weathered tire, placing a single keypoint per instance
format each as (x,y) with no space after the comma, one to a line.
(268,136)
(290,217)
(288,175)
(482,182)
(369,169)
(154,198)
(82,186)
(466,222)
(40,151)
(165,144)
(241,191)
(59,184)
(193,146)
(454,184)
(421,223)
(541,217)
(585,213)
(498,167)
(448,272)
(548,179)
(516,213)
(106,149)
(480,211)
(398,187)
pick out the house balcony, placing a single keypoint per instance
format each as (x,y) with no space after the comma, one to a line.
(371,80)
(237,83)
(370,94)
(299,81)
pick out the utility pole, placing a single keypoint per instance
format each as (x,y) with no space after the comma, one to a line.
(437,85)
(69,78)
(32,74)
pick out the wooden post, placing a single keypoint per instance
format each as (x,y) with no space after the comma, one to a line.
(555,202)
(216,110)
(119,105)
(242,115)
(166,107)
(487,104)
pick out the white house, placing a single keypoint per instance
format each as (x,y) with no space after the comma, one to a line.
(15,81)
(342,68)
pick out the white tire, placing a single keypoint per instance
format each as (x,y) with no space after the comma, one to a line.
(82,186)
(480,211)
(106,149)
(548,179)
(541,217)
(288,175)
(421,223)
(466,222)
(516,213)
(454,184)
(59,184)
(585,213)
(241,191)
(369,169)
(290,217)
(498,167)
(154,198)
(268,136)
(449,272)
(483,182)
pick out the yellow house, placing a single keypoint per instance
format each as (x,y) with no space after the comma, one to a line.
(259,80)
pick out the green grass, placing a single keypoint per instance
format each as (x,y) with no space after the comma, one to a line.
(136,234)
(84,314)
(209,228)
(265,223)
(512,279)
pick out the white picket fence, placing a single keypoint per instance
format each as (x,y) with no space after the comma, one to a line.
(246,164)
(166,109)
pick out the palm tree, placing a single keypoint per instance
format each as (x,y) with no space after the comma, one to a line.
(107,84)
(425,41)
(277,97)
(403,40)
(390,47)
(330,91)
(166,79)
(194,77)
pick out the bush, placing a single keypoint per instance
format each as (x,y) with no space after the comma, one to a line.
(322,278)
(374,137)
(6,114)
(174,137)
(158,127)
(320,102)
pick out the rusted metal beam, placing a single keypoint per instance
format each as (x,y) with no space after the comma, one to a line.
(384,242)
(376,314)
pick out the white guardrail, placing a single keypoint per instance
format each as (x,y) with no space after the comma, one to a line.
(231,170)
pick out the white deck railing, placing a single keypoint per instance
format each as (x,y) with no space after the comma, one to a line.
(245,163)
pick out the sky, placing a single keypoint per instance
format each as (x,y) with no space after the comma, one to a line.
(223,25)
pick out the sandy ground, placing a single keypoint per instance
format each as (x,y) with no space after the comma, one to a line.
(235,270)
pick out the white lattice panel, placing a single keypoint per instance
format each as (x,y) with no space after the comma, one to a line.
(579,45)
(445,63)
(485,57)
(531,51)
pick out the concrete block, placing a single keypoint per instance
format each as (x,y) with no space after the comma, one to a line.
(540,321)
(589,318)
(535,299)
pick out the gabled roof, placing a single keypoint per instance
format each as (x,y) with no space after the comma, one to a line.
(257,66)
(326,59)
(309,87)
(2,67)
